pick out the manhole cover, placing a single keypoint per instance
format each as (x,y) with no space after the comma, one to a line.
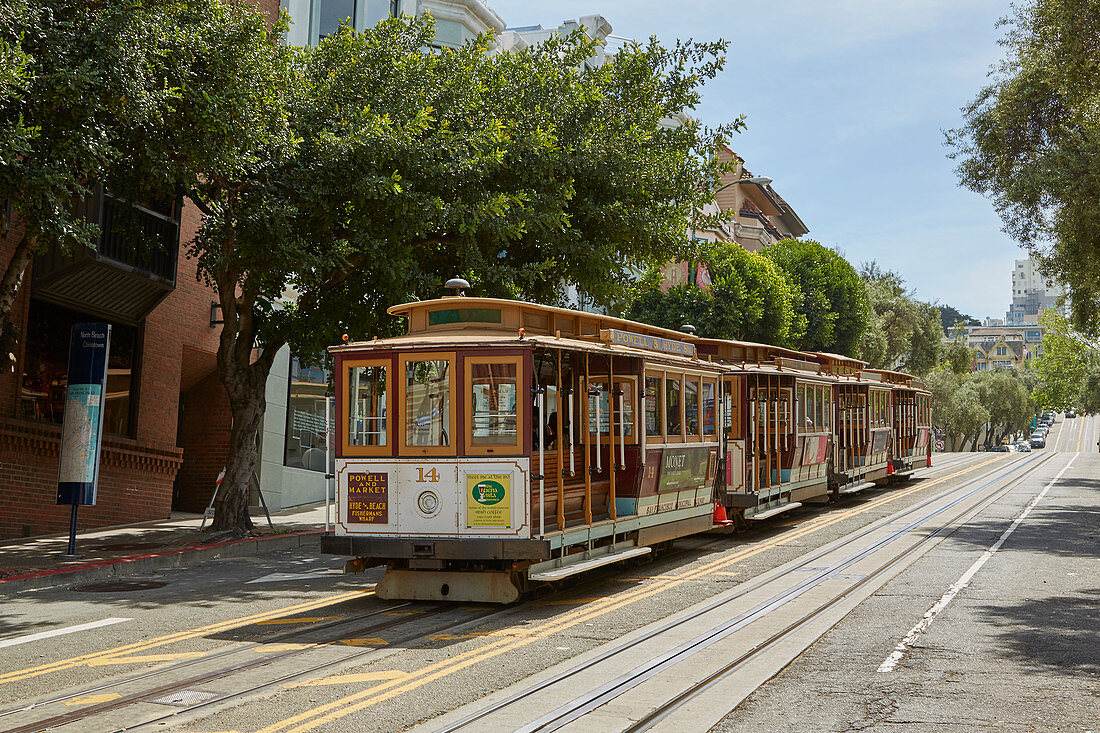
(183,698)
(120,586)
(127,546)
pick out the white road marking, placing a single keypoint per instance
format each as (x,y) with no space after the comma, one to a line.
(276,577)
(905,644)
(61,632)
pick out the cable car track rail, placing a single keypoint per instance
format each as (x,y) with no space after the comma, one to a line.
(314,630)
(565,714)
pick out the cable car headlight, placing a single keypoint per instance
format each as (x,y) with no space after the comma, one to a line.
(428,502)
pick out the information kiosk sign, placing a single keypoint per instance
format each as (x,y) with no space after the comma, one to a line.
(82,428)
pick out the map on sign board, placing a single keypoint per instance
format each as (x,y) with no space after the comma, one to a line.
(79,447)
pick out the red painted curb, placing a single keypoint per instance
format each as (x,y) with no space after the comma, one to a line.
(132,558)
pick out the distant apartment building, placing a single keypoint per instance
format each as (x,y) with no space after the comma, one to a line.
(997,346)
(999,353)
(1032,294)
(753,214)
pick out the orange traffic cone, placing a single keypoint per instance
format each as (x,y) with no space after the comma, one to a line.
(720,519)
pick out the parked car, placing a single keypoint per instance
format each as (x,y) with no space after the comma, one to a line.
(1000,449)
(1038,440)
(1070,413)
(1023,447)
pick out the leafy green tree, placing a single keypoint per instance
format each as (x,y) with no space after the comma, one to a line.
(80,85)
(957,357)
(903,332)
(951,318)
(830,300)
(1031,143)
(749,299)
(1007,399)
(682,304)
(1064,369)
(377,171)
(957,406)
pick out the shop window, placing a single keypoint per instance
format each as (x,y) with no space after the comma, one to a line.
(46,368)
(305,416)
(427,385)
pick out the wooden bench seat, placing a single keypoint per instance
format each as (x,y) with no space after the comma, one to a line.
(574,494)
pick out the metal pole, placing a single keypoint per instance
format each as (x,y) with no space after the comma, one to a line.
(542,462)
(72,533)
(328,459)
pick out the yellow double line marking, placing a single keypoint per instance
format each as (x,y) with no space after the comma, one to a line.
(86,659)
(514,639)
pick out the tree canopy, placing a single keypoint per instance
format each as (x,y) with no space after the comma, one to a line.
(1031,143)
(1067,362)
(749,299)
(903,333)
(81,85)
(378,171)
(951,317)
(830,302)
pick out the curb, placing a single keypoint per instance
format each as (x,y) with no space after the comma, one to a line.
(169,558)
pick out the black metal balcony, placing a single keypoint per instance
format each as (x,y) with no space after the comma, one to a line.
(130,270)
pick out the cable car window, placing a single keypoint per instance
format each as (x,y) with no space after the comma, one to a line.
(691,405)
(672,406)
(800,407)
(427,403)
(709,408)
(367,405)
(493,405)
(653,406)
(819,408)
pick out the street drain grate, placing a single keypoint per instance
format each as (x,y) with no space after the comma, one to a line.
(120,586)
(184,698)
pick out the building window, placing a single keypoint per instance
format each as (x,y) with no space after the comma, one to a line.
(305,416)
(46,368)
(330,13)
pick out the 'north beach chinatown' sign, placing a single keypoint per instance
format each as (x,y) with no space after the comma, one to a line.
(82,427)
(652,343)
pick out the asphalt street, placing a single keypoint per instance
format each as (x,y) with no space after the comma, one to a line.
(288,643)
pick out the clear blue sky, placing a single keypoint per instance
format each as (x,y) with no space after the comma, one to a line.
(845,102)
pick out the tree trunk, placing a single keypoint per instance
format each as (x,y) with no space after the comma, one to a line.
(9,290)
(245,383)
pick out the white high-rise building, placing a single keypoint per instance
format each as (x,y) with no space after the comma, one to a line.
(1031,294)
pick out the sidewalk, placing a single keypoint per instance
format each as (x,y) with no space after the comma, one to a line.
(38,562)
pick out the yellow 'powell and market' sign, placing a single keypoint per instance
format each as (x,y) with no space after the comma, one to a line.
(489,500)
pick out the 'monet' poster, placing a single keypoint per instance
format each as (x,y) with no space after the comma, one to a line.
(488,500)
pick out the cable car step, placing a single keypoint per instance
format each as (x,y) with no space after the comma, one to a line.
(585,565)
(858,487)
(776,510)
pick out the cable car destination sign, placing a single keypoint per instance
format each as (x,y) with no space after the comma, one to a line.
(651,343)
